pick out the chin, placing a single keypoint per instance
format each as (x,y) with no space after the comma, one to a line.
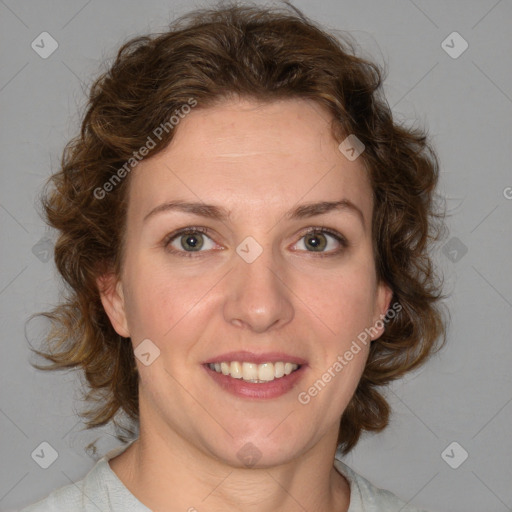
(258,451)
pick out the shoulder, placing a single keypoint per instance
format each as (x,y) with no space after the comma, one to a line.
(96,491)
(366,497)
(83,495)
(69,496)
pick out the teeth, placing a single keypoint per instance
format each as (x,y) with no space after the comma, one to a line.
(235,370)
(288,368)
(278,369)
(249,371)
(266,372)
(252,372)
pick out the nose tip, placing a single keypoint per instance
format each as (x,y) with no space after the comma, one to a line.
(256,321)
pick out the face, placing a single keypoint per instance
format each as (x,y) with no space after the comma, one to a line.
(254,286)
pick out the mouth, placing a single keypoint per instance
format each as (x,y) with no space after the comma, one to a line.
(256,376)
(253,372)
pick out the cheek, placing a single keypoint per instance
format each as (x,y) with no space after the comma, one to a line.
(344,301)
(160,300)
(154,302)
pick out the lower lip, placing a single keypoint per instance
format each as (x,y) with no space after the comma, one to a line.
(271,389)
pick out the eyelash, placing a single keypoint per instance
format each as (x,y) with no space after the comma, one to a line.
(199,229)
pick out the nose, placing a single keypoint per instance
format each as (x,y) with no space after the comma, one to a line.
(258,296)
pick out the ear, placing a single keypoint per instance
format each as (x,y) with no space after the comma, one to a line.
(112,298)
(383,300)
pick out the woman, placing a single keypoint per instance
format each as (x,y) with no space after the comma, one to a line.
(245,235)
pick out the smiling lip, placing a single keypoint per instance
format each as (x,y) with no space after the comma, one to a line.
(272,389)
(252,390)
(251,357)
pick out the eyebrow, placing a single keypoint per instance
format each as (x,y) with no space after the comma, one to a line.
(220,213)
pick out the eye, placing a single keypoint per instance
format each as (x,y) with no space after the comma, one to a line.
(188,240)
(317,239)
(192,239)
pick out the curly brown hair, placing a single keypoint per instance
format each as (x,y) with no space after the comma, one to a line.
(209,55)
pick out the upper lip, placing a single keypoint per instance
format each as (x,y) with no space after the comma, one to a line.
(253,357)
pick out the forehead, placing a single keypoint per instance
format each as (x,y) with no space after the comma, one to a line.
(252,156)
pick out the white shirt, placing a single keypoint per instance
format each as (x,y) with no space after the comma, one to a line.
(101,490)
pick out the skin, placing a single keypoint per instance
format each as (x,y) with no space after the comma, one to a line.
(258,160)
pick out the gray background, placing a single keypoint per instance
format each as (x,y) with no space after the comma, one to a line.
(464,394)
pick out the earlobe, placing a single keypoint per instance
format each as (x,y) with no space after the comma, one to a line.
(384,296)
(112,298)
